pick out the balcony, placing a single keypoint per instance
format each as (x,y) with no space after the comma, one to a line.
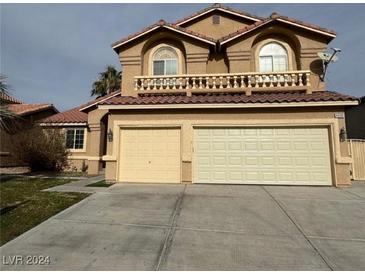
(224,82)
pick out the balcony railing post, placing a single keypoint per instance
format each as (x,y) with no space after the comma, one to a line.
(214,82)
(228,82)
(307,79)
(193,86)
(135,84)
(249,81)
(221,82)
(235,85)
(293,79)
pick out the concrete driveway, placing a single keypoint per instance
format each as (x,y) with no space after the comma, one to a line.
(202,227)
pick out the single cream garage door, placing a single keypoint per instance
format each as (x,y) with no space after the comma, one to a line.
(289,156)
(150,155)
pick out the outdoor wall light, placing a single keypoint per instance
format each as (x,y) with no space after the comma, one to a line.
(343,135)
(110,135)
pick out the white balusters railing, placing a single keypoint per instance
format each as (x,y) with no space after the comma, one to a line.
(223,82)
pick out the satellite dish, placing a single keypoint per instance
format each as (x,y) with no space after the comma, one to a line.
(327,57)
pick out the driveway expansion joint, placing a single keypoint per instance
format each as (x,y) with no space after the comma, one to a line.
(170,234)
(324,259)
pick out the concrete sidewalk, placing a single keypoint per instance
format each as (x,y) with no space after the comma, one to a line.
(202,227)
(79,186)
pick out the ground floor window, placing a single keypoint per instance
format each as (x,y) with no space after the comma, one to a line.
(75,138)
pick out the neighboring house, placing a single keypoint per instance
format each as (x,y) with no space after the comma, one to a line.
(28,114)
(223,97)
(355,120)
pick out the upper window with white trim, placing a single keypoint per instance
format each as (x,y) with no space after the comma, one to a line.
(165,61)
(273,57)
(75,138)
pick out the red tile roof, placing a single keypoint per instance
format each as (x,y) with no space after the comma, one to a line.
(229,98)
(275,17)
(259,22)
(74,115)
(215,7)
(27,109)
(161,24)
(7,99)
(69,116)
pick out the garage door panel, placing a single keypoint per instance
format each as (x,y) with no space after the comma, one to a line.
(150,156)
(267,156)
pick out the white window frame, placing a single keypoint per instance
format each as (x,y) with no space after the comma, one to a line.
(165,61)
(83,149)
(180,59)
(273,57)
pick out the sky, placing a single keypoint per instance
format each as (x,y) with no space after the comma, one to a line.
(52,53)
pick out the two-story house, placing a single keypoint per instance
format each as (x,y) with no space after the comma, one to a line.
(220,96)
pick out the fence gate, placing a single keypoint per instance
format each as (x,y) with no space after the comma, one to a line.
(357,150)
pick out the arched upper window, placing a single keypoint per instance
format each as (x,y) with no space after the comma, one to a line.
(165,61)
(273,57)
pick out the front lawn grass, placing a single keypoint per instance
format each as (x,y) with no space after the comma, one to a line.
(61,174)
(31,206)
(101,183)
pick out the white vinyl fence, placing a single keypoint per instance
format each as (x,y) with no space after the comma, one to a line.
(357,151)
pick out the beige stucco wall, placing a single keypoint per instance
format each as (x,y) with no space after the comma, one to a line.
(96,138)
(136,55)
(228,24)
(238,55)
(77,165)
(302,48)
(187,119)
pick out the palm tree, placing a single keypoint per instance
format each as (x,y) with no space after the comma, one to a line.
(108,82)
(8,119)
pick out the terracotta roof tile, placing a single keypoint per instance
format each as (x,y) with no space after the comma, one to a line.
(273,17)
(229,98)
(69,116)
(74,115)
(162,23)
(214,7)
(8,99)
(26,109)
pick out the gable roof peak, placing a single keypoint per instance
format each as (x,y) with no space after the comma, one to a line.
(274,15)
(161,22)
(220,7)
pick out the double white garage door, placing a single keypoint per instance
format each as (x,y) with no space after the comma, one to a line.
(290,156)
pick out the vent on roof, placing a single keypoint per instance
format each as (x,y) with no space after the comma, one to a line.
(216,19)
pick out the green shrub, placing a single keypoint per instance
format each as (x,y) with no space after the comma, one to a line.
(41,149)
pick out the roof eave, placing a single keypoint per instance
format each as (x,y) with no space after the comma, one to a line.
(231,105)
(330,35)
(61,124)
(26,113)
(98,102)
(116,45)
